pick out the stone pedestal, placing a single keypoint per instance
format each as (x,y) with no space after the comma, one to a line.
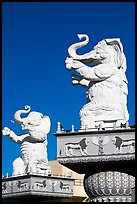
(105,157)
(36,188)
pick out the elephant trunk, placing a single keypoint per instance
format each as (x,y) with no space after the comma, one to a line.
(17,117)
(85,58)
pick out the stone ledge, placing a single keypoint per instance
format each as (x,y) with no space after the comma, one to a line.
(35,185)
(78,151)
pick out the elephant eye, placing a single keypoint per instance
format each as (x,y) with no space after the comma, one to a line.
(30,123)
(34,123)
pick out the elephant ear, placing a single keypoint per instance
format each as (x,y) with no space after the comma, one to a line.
(117,45)
(47,124)
(124,63)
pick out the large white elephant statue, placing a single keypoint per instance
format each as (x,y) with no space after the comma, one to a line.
(102,72)
(33,144)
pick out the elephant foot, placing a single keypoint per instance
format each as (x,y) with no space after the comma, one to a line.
(18,167)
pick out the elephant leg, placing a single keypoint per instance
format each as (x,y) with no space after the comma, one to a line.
(18,167)
(32,166)
(87,118)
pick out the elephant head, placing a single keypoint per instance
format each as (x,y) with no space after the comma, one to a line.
(100,52)
(35,123)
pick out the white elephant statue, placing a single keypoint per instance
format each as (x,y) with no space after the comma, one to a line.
(102,72)
(33,144)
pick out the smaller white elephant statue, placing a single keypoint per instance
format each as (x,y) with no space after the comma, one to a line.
(33,144)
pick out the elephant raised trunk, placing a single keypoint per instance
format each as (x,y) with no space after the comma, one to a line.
(17,117)
(85,58)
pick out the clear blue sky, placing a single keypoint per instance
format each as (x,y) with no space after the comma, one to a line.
(35,39)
